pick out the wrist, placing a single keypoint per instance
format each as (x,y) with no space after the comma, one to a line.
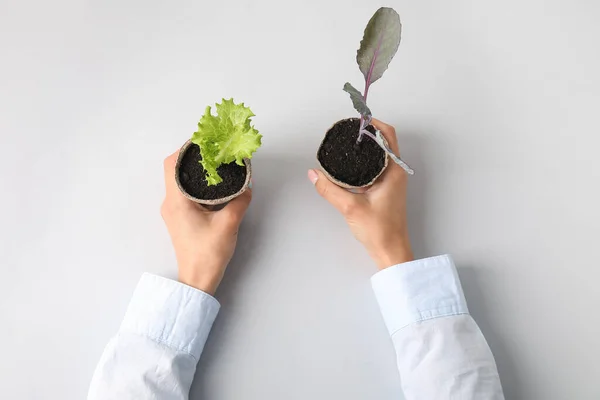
(393,255)
(206,282)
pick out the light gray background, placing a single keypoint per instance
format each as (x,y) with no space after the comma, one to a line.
(497,109)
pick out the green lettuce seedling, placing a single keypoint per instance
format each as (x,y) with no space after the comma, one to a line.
(226,137)
(377,48)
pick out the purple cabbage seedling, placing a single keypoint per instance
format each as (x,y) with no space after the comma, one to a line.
(377,48)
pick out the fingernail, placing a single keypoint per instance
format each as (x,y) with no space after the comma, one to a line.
(250,185)
(313,177)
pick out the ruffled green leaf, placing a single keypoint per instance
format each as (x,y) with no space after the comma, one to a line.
(225,138)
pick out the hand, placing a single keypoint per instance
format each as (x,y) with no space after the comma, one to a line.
(204,241)
(377,216)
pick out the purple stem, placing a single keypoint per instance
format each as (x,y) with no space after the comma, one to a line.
(360,132)
(372,67)
(369,134)
(368,84)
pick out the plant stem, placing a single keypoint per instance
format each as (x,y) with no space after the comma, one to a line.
(369,134)
(378,138)
(372,67)
(360,132)
(368,84)
(363,128)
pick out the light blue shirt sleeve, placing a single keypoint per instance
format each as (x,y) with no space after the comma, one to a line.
(155,352)
(440,351)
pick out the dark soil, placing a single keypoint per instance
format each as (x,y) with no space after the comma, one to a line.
(347,161)
(192,177)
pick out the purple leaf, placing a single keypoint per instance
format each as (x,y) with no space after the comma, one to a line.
(379,45)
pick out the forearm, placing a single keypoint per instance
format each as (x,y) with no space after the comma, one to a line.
(441,352)
(155,353)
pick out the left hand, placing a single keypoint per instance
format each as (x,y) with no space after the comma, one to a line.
(204,241)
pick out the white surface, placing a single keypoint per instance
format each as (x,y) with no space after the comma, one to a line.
(496,105)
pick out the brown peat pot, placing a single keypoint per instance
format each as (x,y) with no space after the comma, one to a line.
(347,163)
(190,178)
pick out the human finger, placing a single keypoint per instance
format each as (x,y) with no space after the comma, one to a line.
(340,198)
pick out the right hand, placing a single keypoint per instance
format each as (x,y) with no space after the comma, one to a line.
(377,217)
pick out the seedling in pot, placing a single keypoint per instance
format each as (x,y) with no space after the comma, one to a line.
(346,157)
(214,165)
(377,48)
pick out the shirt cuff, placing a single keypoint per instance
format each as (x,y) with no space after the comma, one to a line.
(171,313)
(418,290)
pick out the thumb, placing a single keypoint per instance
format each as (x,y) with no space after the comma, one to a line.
(338,197)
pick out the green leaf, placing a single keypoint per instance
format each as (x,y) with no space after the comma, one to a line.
(357,100)
(225,138)
(379,44)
